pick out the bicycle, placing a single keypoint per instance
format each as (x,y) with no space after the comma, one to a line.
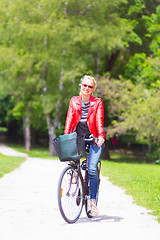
(73,188)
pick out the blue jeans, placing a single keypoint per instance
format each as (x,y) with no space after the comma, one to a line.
(94,157)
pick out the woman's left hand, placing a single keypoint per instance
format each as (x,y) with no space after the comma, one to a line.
(100,141)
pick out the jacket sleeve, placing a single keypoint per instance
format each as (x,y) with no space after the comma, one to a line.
(100,119)
(69,118)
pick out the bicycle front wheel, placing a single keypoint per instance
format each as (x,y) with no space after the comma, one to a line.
(70,194)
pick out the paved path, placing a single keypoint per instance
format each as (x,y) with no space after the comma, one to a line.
(29,210)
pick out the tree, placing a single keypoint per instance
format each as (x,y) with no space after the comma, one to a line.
(53,43)
(133,108)
(138,13)
(143,68)
(30,38)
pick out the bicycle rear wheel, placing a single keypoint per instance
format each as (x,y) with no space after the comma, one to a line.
(88,205)
(87,197)
(70,194)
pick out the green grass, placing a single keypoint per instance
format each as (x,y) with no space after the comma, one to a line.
(8,164)
(35,152)
(140,180)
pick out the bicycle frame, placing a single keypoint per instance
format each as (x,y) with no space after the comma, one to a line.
(73,189)
(85,178)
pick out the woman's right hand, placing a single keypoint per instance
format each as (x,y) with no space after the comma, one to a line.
(100,141)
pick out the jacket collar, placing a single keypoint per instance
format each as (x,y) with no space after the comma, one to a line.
(92,102)
(91,105)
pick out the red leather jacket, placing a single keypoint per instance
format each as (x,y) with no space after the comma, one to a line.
(95,118)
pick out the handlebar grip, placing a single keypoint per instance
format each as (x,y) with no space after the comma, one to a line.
(95,138)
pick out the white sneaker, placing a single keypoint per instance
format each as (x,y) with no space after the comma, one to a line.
(94,210)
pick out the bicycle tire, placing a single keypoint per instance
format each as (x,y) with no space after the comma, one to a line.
(70,195)
(87,205)
(87,198)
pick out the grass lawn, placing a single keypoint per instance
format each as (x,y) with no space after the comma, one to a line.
(140,180)
(8,164)
(35,152)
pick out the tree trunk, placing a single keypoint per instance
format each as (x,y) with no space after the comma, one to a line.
(52,125)
(27,133)
(110,61)
(98,64)
(51,134)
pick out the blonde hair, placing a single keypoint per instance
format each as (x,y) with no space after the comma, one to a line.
(88,77)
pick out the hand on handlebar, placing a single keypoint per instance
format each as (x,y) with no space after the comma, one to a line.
(100,141)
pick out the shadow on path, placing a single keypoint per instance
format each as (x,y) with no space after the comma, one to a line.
(101,218)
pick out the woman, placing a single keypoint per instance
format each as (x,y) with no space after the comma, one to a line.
(86,116)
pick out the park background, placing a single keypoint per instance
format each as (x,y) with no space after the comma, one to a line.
(46,46)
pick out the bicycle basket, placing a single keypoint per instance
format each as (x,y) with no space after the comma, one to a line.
(66,147)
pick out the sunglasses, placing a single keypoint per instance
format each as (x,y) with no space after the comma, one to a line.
(85,85)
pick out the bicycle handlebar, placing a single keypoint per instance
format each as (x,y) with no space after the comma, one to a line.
(91,137)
